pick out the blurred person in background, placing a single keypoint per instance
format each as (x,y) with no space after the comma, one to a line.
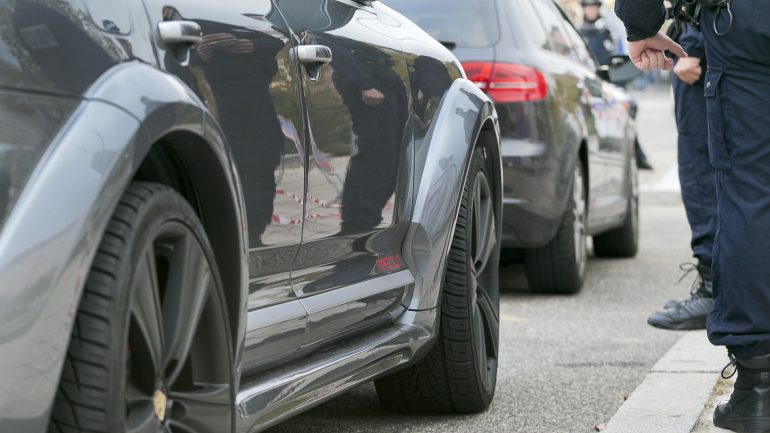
(696,177)
(596,32)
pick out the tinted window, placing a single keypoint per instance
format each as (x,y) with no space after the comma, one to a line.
(466,23)
(557,39)
(527,23)
(581,51)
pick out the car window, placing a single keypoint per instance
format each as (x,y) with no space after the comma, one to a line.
(554,27)
(462,22)
(582,54)
(527,24)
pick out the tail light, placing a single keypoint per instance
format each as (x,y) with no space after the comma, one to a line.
(506,82)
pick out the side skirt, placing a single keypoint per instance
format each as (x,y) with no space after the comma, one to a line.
(282,393)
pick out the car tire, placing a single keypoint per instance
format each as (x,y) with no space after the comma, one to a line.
(150,348)
(624,240)
(559,267)
(459,374)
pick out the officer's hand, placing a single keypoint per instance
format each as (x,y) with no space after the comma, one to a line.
(648,54)
(372,97)
(688,69)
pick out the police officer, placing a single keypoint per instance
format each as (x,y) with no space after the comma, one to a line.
(596,33)
(737,92)
(696,177)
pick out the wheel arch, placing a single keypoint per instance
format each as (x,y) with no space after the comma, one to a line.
(186,150)
(50,237)
(185,161)
(466,119)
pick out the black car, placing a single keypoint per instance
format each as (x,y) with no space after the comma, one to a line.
(215,215)
(568,142)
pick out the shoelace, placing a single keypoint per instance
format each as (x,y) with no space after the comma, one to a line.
(729,364)
(689,268)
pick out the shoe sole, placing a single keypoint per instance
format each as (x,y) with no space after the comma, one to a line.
(688,325)
(744,425)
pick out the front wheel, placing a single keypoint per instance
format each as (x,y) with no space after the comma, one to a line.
(150,349)
(460,372)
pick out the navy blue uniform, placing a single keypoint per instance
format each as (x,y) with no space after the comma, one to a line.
(737,91)
(599,39)
(696,176)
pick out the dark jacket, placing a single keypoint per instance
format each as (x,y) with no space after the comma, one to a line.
(692,42)
(642,18)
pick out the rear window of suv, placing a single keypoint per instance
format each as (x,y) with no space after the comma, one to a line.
(465,23)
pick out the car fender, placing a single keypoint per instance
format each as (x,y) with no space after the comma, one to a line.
(464,111)
(52,233)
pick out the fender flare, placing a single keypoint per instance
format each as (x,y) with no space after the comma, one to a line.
(465,114)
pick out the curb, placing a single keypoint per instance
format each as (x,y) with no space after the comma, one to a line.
(673,394)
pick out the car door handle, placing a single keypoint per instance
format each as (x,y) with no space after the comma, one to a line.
(180,32)
(313,54)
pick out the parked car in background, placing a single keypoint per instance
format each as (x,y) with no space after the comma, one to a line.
(568,142)
(215,215)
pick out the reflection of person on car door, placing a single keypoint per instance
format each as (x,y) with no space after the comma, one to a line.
(376,98)
(240,64)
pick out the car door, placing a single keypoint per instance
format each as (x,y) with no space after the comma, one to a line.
(608,117)
(243,70)
(347,270)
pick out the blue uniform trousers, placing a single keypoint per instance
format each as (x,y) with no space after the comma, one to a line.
(696,176)
(737,92)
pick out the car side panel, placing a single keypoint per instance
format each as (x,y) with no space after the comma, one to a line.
(357,110)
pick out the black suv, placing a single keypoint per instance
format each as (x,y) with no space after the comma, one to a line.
(567,140)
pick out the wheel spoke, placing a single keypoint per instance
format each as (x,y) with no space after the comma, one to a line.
(146,309)
(140,414)
(201,410)
(488,238)
(189,284)
(490,318)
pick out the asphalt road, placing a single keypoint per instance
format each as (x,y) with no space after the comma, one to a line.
(566,362)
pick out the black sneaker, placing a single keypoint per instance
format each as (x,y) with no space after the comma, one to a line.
(690,313)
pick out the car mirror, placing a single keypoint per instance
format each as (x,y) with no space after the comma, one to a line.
(619,70)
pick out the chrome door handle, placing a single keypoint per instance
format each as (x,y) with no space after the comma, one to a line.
(176,32)
(313,54)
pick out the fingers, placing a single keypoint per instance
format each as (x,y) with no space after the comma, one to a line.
(676,49)
(642,62)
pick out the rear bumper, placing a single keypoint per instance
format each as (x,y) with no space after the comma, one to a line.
(534,193)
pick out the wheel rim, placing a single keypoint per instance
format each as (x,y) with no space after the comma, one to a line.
(177,361)
(485,285)
(579,224)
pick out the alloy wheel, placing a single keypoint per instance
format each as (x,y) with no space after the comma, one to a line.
(485,285)
(178,375)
